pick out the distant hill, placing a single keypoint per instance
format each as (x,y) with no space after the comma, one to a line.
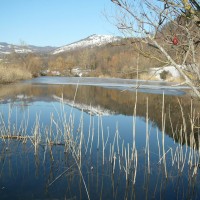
(6,48)
(91,41)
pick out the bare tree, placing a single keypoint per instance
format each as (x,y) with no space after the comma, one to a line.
(84,58)
(171,28)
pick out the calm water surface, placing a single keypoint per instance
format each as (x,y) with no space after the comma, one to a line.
(70,138)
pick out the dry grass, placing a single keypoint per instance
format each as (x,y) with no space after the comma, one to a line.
(175,79)
(12,74)
(147,76)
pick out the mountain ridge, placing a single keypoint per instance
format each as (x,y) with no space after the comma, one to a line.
(6,48)
(90,41)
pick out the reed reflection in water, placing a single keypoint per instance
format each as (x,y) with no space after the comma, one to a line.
(105,145)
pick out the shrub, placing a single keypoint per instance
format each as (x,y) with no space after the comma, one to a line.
(11,74)
(164,74)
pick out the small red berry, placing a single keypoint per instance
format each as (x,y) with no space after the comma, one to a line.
(175,40)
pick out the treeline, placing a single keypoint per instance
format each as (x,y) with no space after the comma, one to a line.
(116,60)
(119,59)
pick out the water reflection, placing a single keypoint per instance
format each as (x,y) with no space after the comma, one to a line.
(104,101)
(64,142)
(28,176)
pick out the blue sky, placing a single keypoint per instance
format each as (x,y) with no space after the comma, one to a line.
(53,22)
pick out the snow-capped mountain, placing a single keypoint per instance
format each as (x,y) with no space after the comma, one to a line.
(91,41)
(6,48)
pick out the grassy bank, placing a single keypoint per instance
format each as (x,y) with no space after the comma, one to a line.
(12,74)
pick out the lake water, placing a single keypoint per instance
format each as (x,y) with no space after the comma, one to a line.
(87,138)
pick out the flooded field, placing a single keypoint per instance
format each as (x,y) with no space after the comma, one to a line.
(71,138)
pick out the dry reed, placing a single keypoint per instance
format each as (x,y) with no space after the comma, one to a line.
(12,74)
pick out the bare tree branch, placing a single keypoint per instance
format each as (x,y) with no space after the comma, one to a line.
(156,24)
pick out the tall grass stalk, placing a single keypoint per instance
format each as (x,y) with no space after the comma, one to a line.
(75,156)
(123,148)
(113,144)
(89,132)
(170,149)
(135,166)
(128,155)
(147,135)
(45,148)
(98,132)
(126,165)
(81,139)
(92,136)
(134,121)
(72,107)
(110,153)
(117,135)
(108,135)
(114,160)
(158,143)
(103,145)
(36,135)
(59,176)
(9,120)
(163,134)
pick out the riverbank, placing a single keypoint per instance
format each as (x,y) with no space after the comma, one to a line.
(156,87)
(11,75)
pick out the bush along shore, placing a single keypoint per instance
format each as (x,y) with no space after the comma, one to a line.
(11,74)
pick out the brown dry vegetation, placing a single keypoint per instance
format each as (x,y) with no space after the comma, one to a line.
(112,60)
(19,66)
(12,74)
(29,61)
